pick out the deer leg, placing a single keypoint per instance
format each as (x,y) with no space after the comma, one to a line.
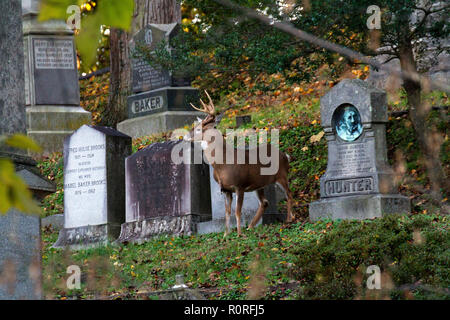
(228,200)
(263,204)
(239,201)
(285,185)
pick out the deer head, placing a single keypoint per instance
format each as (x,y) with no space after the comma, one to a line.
(211,120)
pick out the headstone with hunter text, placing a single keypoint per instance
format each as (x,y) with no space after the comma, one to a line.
(160,99)
(164,196)
(94,186)
(20,234)
(358,182)
(52,95)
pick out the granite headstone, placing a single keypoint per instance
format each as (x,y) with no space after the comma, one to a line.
(144,76)
(162,196)
(52,96)
(160,99)
(358,182)
(94,186)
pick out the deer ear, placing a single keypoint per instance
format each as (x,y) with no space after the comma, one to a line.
(199,119)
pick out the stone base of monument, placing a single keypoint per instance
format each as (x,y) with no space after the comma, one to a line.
(160,110)
(87,236)
(50,125)
(359,207)
(143,230)
(159,122)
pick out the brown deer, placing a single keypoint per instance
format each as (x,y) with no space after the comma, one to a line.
(233,176)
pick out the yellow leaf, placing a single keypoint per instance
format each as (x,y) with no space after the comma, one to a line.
(317,137)
(23,142)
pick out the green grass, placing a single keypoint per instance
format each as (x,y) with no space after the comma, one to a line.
(308,261)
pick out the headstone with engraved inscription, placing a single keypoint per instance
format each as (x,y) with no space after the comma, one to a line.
(358,182)
(94,186)
(52,96)
(164,195)
(160,99)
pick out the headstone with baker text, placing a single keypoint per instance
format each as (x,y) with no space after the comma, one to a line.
(358,182)
(94,186)
(160,100)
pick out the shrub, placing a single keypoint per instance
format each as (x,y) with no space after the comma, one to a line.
(411,252)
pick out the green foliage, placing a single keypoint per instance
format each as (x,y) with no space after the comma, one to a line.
(22,141)
(111,13)
(409,251)
(14,193)
(285,260)
(52,167)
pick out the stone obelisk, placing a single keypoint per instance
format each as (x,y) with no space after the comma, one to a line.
(20,256)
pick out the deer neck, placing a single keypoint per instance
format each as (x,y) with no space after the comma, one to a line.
(209,148)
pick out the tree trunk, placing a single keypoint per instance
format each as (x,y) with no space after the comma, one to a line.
(428,139)
(145,12)
(120,77)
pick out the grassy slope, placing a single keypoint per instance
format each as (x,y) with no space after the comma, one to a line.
(265,263)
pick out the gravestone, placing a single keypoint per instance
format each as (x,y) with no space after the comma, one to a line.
(163,196)
(273,194)
(358,182)
(52,96)
(160,100)
(241,120)
(94,186)
(20,238)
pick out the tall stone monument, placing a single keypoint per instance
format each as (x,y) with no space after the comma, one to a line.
(94,186)
(20,255)
(160,100)
(358,182)
(52,96)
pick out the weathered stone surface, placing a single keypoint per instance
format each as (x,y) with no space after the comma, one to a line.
(20,259)
(20,256)
(354,116)
(52,95)
(144,76)
(50,62)
(164,196)
(156,123)
(50,125)
(142,230)
(358,207)
(55,221)
(161,100)
(12,109)
(241,120)
(94,186)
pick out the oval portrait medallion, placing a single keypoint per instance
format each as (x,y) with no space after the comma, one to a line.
(347,122)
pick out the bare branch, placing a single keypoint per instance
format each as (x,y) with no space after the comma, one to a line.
(289,28)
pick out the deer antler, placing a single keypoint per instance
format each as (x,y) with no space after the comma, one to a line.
(207,107)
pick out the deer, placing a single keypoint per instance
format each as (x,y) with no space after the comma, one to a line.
(233,177)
